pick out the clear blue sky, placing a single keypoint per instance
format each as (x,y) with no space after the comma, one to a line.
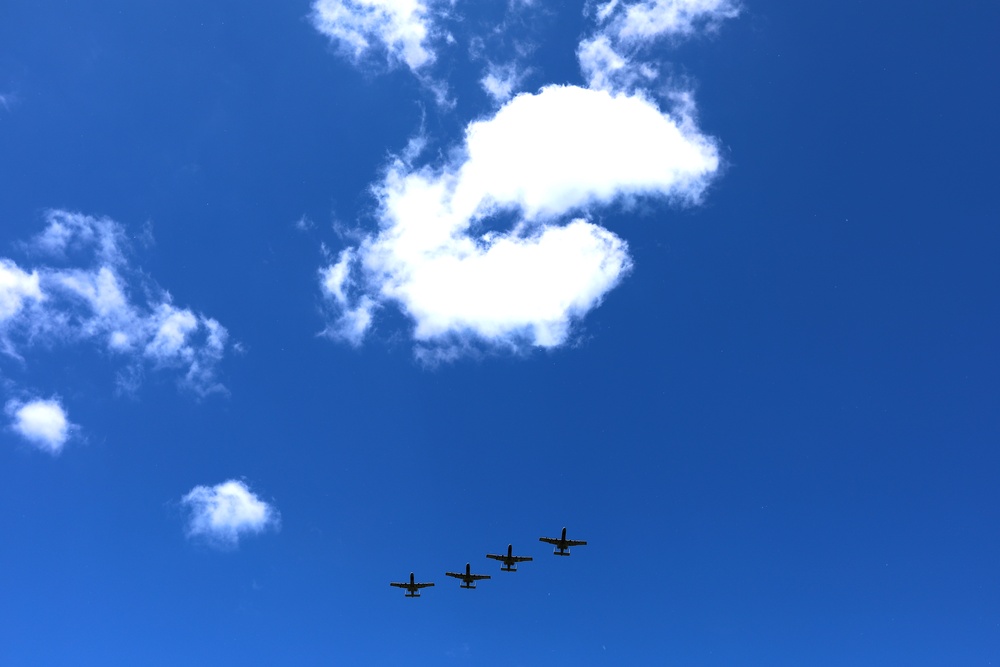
(714,288)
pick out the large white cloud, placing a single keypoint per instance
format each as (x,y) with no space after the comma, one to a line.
(91,298)
(543,158)
(43,423)
(402,28)
(496,246)
(224,513)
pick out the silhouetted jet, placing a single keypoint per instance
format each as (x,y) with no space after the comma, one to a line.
(469,580)
(412,587)
(562,544)
(509,561)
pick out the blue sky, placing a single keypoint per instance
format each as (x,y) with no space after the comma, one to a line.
(297,298)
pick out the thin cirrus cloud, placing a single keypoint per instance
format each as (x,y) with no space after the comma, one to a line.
(222,514)
(86,293)
(402,29)
(494,247)
(612,57)
(42,423)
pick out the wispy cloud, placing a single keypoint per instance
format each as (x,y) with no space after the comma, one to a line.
(89,294)
(43,423)
(542,157)
(651,19)
(18,289)
(501,81)
(224,513)
(402,29)
(612,58)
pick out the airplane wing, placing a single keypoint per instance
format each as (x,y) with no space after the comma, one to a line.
(575,543)
(520,559)
(421,585)
(495,556)
(550,540)
(397,584)
(477,577)
(455,574)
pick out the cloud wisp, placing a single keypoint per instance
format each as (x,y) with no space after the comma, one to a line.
(88,293)
(42,423)
(222,514)
(402,29)
(613,57)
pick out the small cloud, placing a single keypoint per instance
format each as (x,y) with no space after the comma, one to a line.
(611,59)
(304,224)
(43,423)
(224,513)
(651,19)
(501,81)
(16,288)
(402,28)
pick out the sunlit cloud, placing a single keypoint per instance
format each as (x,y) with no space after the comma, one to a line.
(613,57)
(542,158)
(223,514)
(18,289)
(90,294)
(501,81)
(495,246)
(651,19)
(42,423)
(401,28)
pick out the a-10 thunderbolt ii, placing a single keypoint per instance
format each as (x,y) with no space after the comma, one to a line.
(468,579)
(412,587)
(562,544)
(509,561)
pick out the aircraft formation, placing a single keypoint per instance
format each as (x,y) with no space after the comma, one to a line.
(508,563)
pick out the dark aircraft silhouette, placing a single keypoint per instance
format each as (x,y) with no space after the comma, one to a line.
(509,561)
(412,587)
(468,579)
(562,544)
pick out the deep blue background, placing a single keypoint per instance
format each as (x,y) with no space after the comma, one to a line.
(778,434)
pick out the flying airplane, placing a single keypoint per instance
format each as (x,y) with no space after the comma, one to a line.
(509,561)
(562,544)
(468,579)
(412,587)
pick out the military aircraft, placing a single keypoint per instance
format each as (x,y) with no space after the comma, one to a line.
(509,561)
(468,579)
(562,544)
(412,587)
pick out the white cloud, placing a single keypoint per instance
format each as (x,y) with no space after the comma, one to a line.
(494,246)
(611,59)
(401,27)
(224,513)
(501,81)
(542,157)
(16,287)
(92,302)
(605,68)
(567,147)
(651,19)
(43,423)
